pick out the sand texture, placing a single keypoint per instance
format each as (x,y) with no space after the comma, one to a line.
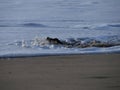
(70,72)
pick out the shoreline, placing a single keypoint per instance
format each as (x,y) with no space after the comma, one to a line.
(69,72)
(48,55)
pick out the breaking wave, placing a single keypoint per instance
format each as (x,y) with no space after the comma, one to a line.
(40,46)
(107,41)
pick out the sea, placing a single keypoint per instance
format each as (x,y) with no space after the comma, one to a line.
(25,25)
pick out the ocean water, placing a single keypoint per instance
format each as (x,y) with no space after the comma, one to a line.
(25,24)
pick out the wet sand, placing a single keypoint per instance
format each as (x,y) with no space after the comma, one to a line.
(70,72)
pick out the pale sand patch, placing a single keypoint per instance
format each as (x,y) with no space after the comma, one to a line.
(70,72)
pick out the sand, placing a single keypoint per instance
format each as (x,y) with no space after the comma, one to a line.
(70,72)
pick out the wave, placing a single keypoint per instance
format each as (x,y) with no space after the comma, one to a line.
(40,46)
(33,25)
(24,25)
(114,25)
(104,26)
(100,42)
(107,26)
(74,4)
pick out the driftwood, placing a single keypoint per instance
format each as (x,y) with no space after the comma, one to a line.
(78,44)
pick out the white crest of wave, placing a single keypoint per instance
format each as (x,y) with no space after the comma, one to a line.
(39,41)
(23,43)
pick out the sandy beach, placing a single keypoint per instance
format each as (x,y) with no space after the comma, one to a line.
(69,72)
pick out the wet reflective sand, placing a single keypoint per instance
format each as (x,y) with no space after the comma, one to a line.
(70,72)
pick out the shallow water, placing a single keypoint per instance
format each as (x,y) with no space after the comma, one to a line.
(25,20)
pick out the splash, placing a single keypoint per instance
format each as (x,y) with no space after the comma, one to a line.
(100,42)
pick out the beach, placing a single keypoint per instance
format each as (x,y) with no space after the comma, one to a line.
(59,44)
(64,72)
